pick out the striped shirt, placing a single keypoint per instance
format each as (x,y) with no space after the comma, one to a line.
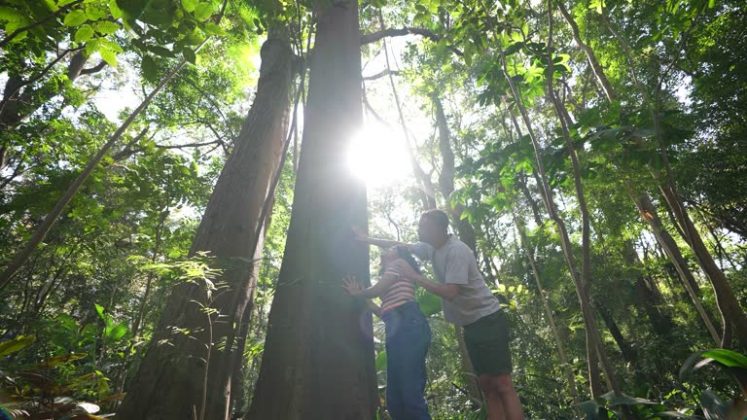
(399,293)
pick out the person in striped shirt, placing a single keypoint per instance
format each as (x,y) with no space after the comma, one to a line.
(408,334)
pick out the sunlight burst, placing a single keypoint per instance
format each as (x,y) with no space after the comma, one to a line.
(378,156)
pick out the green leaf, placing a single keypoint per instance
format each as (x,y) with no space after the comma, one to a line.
(189,55)
(75,18)
(109,56)
(9,14)
(100,311)
(189,5)
(163,52)
(429,303)
(203,11)
(84,33)
(150,69)
(727,358)
(590,408)
(623,399)
(116,333)
(106,27)
(115,10)
(15,344)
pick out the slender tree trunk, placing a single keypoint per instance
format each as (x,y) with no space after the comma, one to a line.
(594,341)
(465,232)
(20,257)
(647,294)
(547,196)
(169,382)
(667,243)
(428,192)
(734,318)
(562,355)
(236,403)
(318,360)
(626,349)
(596,68)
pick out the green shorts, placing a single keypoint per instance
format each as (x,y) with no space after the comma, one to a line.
(487,344)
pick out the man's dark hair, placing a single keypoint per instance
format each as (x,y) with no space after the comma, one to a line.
(438,216)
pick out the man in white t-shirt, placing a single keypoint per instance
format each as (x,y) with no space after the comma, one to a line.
(467,302)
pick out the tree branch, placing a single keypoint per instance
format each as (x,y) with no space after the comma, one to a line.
(392,32)
(381,74)
(95,69)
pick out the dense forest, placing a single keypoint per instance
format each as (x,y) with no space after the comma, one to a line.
(180,182)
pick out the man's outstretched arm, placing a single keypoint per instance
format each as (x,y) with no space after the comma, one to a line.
(383,243)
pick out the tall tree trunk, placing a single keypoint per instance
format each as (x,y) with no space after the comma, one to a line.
(169,382)
(446,177)
(565,366)
(626,349)
(734,317)
(647,294)
(667,243)
(594,341)
(318,360)
(596,68)
(465,231)
(427,190)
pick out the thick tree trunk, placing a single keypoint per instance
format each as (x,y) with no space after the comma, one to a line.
(174,380)
(318,360)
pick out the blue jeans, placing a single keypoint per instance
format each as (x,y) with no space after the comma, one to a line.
(407,339)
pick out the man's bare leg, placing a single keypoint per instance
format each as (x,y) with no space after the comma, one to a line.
(503,401)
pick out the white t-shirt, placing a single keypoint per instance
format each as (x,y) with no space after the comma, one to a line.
(454,263)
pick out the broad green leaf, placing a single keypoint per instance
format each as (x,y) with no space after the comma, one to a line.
(150,73)
(190,5)
(623,399)
(75,18)
(429,303)
(106,27)
(117,332)
(10,14)
(203,11)
(15,344)
(189,55)
(109,56)
(84,33)
(727,358)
